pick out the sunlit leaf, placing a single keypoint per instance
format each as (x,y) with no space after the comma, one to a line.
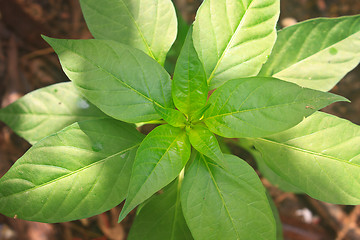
(316,53)
(47,110)
(79,172)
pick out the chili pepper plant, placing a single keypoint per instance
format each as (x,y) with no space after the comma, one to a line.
(236,77)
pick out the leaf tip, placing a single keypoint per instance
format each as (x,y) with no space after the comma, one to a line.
(122,215)
(339,98)
(49,40)
(46,38)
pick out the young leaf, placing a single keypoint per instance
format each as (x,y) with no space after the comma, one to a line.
(189,86)
(316,53)
(234,38)
(171,116)
(219,204)
(161,218)
(150,25)
(205,142)
(199,113)
(47,110)
(122,81)
(159,160)
(260,106)
(79,172)
(321,156)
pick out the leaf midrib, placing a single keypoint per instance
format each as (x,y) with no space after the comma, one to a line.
(199,136)
(261,108)
(307,151)
(74,172)
(135,23)
(152,171)
(138,28)
(107,72)
(239,27)
(313,154)
(220,195)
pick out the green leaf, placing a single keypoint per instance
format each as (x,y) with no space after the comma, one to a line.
(76,173)
(150,25)
(122,81)
(174,52)
(199,114)
(234,38)
(206,143)
(321,156)
(270,175)
(279,229)
(316,53)
(161,218)
(189,86)
(219,204)
(260,106)
(274,178)
(159,160)
(47,110)
(171,116)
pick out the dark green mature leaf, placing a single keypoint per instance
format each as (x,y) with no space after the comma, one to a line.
(120,80)
(47,110)
(219,204)
(171,116)
(150,25)
(234,38)
(321,156)
(161,218)
(79,172)
(205,142)
(260,106)
(316,53)
(159,160)
(189,86)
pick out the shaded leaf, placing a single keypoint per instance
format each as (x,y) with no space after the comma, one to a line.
(161,218)
(174,52)
(279,229)
(274,178)
(270,175)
